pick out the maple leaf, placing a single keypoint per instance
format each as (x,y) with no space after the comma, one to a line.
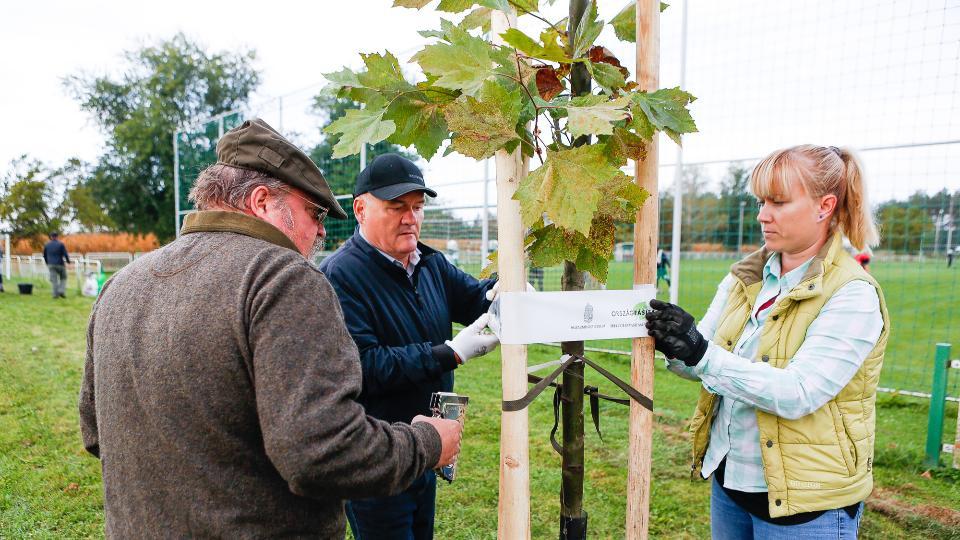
(552,245)
(625,23)
(608,76)
(593,114)
(548,83)
(550,50)
(414,4)
(621,198)
(344,77)
(420,122)
(624,144)
(666,109)
(462,64)
(478,18)
(587,31)
(455,6)
(383,73)
(483,126)
(566,187)
(491,268)
(358,127)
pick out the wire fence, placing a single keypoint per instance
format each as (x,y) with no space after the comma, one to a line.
(880,76)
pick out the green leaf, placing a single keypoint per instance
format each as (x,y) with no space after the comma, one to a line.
(641,125)
(358,127)
(667,110)
(383,73)
(608,77)
(483,126)
(478,18)
(625,23)
(420,122)
(587,32)
(593,114)
(597,265)
(551,49)
(491,268)
(552,245)
(414,4)
(463,64)
(566,187)
(344,77)
(624,144)
(455,6)
(621,198)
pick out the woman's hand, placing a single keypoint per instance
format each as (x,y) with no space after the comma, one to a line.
(675,333)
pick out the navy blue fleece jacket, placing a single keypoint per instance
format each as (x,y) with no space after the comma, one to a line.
(400,327)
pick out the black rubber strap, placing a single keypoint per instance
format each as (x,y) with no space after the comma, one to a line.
(556,419)
(542,384)
(522,403)
(643,400)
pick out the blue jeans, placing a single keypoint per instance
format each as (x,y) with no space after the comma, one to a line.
(407,516)
(730,522)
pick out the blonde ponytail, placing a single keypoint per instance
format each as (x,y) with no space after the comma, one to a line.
(855,216)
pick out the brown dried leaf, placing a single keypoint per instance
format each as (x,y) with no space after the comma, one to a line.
(548,83)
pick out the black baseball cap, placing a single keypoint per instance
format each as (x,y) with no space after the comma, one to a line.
(390,176)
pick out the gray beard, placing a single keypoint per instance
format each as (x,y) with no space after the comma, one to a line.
(317,247)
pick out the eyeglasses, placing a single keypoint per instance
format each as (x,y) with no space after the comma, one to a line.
(320,211)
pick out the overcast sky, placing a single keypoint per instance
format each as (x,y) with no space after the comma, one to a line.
(768,74)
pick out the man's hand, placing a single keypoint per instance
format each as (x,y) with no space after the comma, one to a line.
(450,433)
(675,332)
(471,341)
(495,290)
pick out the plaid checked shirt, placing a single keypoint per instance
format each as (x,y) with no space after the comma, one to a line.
(837,343)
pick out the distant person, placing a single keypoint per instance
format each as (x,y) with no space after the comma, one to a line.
(950,255)
(535,277)
(56,256)
(863,257)
(663,267)
(788,357)
(220,383)
(1,268)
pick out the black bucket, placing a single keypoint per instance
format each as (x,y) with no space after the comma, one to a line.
(25,288)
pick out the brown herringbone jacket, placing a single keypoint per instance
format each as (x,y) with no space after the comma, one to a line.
(219,394)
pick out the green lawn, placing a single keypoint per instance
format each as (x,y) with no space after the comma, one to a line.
(50,488)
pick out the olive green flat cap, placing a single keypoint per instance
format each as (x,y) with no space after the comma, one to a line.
(256,146)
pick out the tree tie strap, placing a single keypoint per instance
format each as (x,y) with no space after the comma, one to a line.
(541,385)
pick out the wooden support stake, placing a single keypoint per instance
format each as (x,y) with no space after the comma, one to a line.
(645,235)
(514,501)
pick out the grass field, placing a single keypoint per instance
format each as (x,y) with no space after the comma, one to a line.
(50,488)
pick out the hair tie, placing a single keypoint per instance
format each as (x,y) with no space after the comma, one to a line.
(836,151)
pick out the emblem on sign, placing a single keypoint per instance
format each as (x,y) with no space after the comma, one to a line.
(587,313)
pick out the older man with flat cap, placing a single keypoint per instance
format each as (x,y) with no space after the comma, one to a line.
(399,298)
(219,403)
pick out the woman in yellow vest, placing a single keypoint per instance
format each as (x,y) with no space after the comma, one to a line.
(788,356)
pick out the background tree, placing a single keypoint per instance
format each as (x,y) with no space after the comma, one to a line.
(161,88)
(36,200)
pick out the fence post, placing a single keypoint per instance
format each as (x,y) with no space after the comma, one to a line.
(938,399)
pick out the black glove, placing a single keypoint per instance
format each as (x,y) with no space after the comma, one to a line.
(675,332)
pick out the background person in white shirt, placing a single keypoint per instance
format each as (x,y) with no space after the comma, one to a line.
(788,355)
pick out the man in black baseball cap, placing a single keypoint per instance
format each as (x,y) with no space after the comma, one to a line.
(399,298)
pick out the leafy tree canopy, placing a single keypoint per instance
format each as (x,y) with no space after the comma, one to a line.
(483,97)
(160,88)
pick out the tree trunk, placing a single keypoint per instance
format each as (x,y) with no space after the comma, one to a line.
(573,520)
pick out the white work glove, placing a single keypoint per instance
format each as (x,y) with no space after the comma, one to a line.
(495,290)
(471,341)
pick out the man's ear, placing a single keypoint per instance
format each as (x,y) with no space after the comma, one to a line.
(257,201)
(359,205)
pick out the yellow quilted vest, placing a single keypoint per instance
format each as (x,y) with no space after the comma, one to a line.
(825,459)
